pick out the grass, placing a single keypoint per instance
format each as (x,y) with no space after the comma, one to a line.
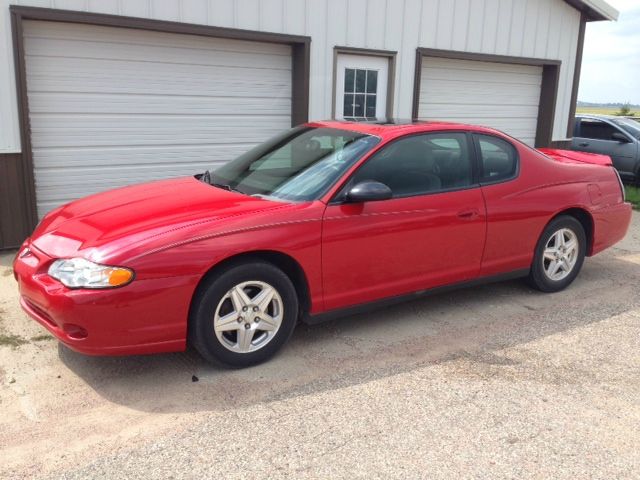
(43,337)
(633,196)
(12,340)
(603,110)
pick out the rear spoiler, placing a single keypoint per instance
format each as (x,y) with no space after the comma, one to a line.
(569,156)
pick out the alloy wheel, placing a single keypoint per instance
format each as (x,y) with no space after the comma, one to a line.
(248,316)
(560,254)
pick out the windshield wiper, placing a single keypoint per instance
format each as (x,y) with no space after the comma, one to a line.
(207,177)
(225,186)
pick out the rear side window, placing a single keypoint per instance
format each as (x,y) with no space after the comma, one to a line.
(596,130)
(498,159)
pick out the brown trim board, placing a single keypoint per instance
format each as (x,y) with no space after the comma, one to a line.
(576,75)
(14,225)
(561,144)
(27,179)
(300,71)
(548,91)
(391,57)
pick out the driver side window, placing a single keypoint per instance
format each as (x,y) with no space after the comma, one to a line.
(421,164)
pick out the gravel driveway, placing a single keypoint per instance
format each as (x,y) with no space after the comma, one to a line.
(492,382)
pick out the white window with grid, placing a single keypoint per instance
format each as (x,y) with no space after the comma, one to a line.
(361,87)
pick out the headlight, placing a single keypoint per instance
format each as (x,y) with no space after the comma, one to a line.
(81,273)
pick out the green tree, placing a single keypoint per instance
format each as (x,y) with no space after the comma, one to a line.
(625,111)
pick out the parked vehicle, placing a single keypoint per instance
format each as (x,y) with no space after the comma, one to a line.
(326,219)
(617,137)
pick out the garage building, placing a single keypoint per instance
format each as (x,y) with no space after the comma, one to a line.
(100,94)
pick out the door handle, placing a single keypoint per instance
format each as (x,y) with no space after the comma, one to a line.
(583,144)
(468,214)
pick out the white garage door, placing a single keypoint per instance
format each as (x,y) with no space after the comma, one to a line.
(112,106)
(497,95)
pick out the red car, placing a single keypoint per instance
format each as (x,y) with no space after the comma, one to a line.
(324,219)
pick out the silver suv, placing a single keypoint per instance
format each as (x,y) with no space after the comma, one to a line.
(617,137)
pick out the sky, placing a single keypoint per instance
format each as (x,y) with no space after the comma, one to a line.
(611,57)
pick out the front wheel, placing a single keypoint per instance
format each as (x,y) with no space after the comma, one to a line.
(243,315)
(559,255)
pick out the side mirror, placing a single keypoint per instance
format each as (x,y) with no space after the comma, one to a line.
(619,137)
(369,191)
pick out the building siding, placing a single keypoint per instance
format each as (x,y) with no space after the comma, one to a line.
(539,28)
(103,116)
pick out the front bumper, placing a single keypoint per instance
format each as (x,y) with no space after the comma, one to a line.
(146,316)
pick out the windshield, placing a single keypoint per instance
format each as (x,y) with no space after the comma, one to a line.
(630,126)
(299,165)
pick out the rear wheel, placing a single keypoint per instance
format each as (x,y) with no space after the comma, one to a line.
(243,315)
(559,254)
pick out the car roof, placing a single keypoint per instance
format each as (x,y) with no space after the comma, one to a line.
(597,116)
(390,128)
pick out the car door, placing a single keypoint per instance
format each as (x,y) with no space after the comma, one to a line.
(512,225)
(596,136)
(430,233)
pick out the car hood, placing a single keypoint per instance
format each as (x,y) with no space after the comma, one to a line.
(99,225)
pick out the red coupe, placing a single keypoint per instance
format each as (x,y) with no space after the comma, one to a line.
(326,218)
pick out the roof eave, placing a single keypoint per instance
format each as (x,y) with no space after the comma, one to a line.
(595,10)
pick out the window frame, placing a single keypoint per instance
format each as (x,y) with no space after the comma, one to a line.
(339,197)
(480,165)
(389,55)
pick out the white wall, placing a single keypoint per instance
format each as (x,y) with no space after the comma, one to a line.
(9,128)
(530,28)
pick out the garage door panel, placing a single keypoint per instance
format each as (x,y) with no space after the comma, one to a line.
(480,95)
(59,65)
(93,104)
(85,75)
(112,175)
(278,58)
(479,65)
(167,133)
(264,89)
(158,79)
(154,56)
(135,37)
(76,157)
(68,172)
(204,86)
(111,107)
(497,95)
(503,111)
(467,76)
(105,178)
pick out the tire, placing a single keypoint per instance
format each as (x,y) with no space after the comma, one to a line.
(215,328)
(568,262)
